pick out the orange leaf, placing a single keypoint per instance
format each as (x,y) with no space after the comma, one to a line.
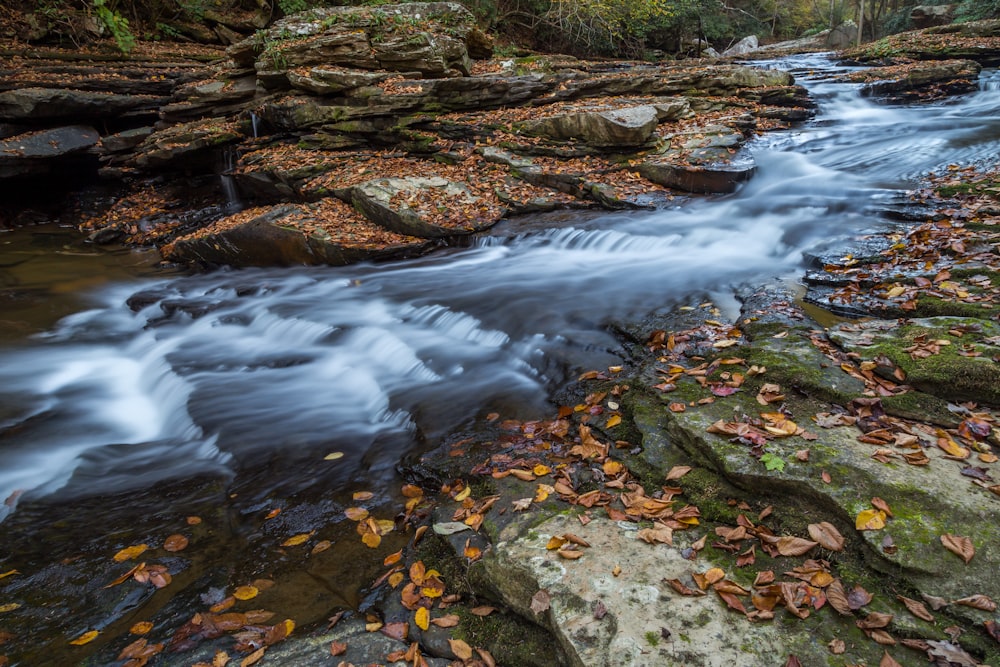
(129,552)
(175,543)
(246,592)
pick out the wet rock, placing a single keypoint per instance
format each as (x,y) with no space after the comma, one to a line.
(35,104)
(38,152)
(609,128)
(121,142)
(184,146)
(292,234)
(717,178)
(924,81)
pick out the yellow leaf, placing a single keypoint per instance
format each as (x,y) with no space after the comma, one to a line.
(11,572)
(246,592)
(396,578)
(432,592)
(555,542)
(85,638)
(422,618)
(10,606)
(333,456)
(543,492)
(870,520)
(296,540)
(463,494)
(614,420)
(371,540)
(541,470)
(129,552)
(385,526)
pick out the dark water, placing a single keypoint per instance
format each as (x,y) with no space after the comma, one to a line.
(113,377)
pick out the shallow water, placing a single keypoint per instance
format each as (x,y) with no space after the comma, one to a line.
(113,377)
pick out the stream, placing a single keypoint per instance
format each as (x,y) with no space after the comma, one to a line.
(116,377)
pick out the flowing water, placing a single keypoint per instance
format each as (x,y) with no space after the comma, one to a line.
(258,374)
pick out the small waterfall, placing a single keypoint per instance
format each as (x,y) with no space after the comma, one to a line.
(255,124)
(229,157)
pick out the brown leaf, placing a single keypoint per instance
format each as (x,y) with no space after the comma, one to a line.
(540,601)
(858,597)
(461,650)
(681,588)
(961,546)
(253,658)
(175,543)
(888,661)
(788,545)
(880,504)
(398,630)
(483,610)
(874,620)
(882,637)
(827,535)
(836,646)
(677,472)
(792,662)
(338,648)
(447,621)
(917,609)
(978,602)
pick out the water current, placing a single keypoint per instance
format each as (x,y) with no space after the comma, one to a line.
(150,376)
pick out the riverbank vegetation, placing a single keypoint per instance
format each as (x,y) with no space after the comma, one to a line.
(585,28)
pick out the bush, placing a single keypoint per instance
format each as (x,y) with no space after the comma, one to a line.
(974,10)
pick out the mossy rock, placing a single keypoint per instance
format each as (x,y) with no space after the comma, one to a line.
(946,373)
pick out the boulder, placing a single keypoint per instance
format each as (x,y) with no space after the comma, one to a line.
(426,37)
(925,16)
(35,104)
(718,178)
(746,45)
(325,232)
(391,203)
(121,142)
(842,36)
(333,80)
(184,146)
(38,152)
(923,80)
(607,128)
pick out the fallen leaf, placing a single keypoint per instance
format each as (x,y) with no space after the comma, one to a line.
(246,592)
(175,543)
(540,601)
(296,540)
(141,628)
(85,638)
(422,618)
(333,456)
(827,535)
(338,648)
(447,621)
(10,606)
(961,546)
(870,520)
(836,646)
(837,597)
(888,661)
(483,610)
(253,658)
(677,472)
(916,608)
(129,553)
(983,602)
(356,513)
(461,650)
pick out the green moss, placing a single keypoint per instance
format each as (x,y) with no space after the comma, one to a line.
(510,639)
(920,406)
(932,306)
(652,638)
